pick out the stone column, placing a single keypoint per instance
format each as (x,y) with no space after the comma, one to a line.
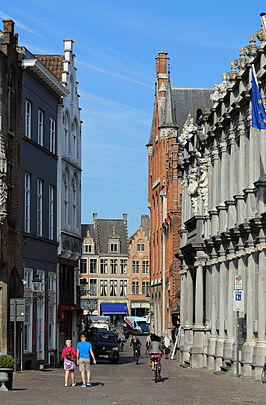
(239,197)
(213,337)
(188,333)
(198,335)
(260,348)
(250,297)
(231,204)
(182,307)
(222,295)
(231,319)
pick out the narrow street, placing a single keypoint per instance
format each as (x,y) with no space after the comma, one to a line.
(128,383)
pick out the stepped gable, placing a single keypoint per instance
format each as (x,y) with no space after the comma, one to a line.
(54,63)
(106,229)
(187,101)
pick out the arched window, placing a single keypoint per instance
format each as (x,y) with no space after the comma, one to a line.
(66,198)
(71,89)
(74,202)
(66,134)
(74,136)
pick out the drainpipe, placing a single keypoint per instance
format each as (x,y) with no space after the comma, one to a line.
(163,195)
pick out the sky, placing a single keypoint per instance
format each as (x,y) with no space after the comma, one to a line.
(115,43)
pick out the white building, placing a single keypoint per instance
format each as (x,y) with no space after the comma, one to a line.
(222,163)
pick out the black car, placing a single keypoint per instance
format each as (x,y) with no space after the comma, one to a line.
(104,344)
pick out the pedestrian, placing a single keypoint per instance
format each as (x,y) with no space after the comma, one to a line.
(167,344)
(84,350)
(69,355)
(148,343)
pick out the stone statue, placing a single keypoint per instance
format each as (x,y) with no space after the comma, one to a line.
(193,190)
(203,182)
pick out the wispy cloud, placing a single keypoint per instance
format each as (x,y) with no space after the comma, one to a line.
(20,24)
(117,75)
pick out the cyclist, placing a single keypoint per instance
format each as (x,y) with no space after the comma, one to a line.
(155,348)
(121,340)
(135,344)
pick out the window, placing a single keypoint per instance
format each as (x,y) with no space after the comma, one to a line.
(28,278)
(74,135)
(27,203)
(135,266)
(66,134)
(51,325)
(28,325)
(113,247)
(93,287)
(113,266)
(39,206)
(87,248)
(66,198)
(40,127)
(113,288)
(51,212)
(83,289)
(93,266)
(28,119)
(145,287)
(140,247)
(123,266)
(123,288)
(135,287)
(103,266)
(52,282)
(103,288)
(52,135)
(145,266)
(83,266)
(74,203)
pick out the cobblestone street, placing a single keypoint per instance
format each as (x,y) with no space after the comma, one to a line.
(128,383)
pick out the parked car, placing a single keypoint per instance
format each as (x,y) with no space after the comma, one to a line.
(104,344)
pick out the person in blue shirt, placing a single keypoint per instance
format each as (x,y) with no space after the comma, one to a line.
(84,349)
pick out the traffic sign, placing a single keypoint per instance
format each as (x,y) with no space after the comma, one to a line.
(238,283)
(17,309)
(238,300)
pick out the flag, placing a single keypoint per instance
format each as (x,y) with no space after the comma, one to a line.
(263,24)
(258,112)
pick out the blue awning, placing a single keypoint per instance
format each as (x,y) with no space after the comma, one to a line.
(114,308)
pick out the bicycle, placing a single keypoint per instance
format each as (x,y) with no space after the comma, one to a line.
(136,353)
(156,359)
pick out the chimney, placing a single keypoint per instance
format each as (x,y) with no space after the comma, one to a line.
(145,223)
(161,69)
(8,34)
(125,219)
(95,217)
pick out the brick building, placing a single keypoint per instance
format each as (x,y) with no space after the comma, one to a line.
(104,268)
(139,275)
(164,193)
(10,184)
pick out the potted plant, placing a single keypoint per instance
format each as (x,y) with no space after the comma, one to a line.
(6,371)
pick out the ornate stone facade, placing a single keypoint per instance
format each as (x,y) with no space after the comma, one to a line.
(222,164)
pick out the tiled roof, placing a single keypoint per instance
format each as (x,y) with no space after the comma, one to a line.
(105,229)
(54,63)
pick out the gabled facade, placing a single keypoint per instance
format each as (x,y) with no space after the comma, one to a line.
(103,272)
(68,192)
(139,274)
(11,208)
(164,193)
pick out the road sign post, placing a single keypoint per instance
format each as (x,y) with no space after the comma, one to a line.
(238,305)
(17,314)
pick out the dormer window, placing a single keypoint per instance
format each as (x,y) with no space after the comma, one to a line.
(140,247)
(113,247)
(87,248)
